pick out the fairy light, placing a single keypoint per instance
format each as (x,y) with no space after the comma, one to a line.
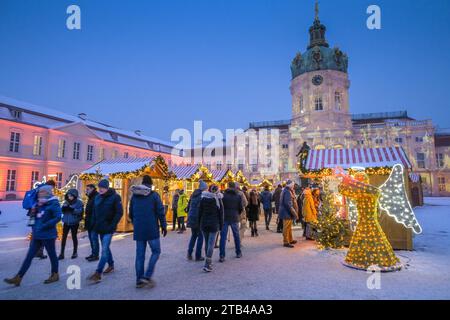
(394,200)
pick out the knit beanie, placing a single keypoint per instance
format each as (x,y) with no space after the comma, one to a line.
(104,184)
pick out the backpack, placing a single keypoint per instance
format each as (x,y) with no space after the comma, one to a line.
(30,199)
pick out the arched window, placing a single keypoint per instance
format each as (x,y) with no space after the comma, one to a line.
(337,100)
(301,105)
(318,104)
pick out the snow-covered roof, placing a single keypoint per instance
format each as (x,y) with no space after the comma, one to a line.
(52,119)
(107,167)
(184,172)
(361,157)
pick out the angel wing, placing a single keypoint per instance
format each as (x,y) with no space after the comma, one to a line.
(394,200)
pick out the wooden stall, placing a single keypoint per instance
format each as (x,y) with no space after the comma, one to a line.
(123,173)
(377,164)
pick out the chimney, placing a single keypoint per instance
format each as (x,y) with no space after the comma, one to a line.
(82,116)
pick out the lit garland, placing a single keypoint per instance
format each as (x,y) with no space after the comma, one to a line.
(394,200)
(382,171)
(369,245)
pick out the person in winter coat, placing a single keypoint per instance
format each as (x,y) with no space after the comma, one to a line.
(253,212)
(182,210)
(243,218)
(232,204)
(108,211)
(309,212)
(288,213)
(147,214)
(72,210)
(301,218)
(175,220)
(210,220)
(276,199)
(197,235)
(91,193)
(48,214)
(266,199)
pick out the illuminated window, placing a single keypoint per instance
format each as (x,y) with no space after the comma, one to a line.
(58,180)
(76,151)
(420,157)
(61,148)
(34,178)
(37,147)
(14,142)
(301,105)
(90,153)
(318,104)
(441,184)
(11,180)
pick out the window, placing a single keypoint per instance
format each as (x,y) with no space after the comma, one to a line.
(34,178)
(76,151)
(285,146)
(219,165)
(301,106)
(58,180)
(14,142)
(229,166)
(360,142)
(398,140)
(337,100)
(114,154)
(318,104)
(419,139)
(440,160)
(254,168)
(11,180)
(420,157)
(269,147)
(125,155)
(61,148)
(37,147)
(378,141)
(441,184)
(208,165)
(90,153)
(16,114)
(101,154)
(241,166)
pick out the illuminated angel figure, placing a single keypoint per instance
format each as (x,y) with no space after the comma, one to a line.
(369,246)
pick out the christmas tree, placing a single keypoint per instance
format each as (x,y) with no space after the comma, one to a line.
(332,231)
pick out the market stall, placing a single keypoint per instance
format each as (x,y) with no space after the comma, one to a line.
(377,164)
(123,173)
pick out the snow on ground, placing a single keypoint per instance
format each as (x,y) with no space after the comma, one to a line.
(266,271)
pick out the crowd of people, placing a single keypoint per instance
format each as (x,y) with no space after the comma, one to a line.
(208,212)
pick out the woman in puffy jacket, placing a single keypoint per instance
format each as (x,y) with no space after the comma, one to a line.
(72,210)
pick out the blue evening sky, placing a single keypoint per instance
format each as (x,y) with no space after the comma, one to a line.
(157,65)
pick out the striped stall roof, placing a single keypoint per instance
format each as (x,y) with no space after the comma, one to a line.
(112,166)
(361,157)
(218,174)
(184,172)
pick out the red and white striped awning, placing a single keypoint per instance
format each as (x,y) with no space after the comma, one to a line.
(360,157)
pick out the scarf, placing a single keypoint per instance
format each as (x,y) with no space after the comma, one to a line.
(211,195)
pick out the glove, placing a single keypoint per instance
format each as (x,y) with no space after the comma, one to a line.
(164,231)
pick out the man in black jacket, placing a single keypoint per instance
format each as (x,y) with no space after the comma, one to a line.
(107,213)
(232,204)
(91,193)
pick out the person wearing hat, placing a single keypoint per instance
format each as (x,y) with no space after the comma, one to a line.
(72,210)
(107,213)
(44,234)
(196,236)
(91,193)
(288,213)
(147,214)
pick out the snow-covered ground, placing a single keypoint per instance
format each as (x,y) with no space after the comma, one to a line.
(266,271)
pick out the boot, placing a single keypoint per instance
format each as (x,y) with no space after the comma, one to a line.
(74,255)
(61,256)
(14,281)
(95,278)
(110,269)
(53,278)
